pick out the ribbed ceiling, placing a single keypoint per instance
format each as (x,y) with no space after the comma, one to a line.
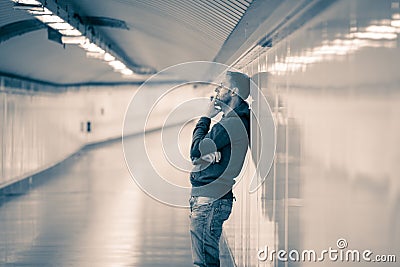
(8,15)
(161,33)
(215,19)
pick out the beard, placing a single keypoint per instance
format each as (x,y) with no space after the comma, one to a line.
(223,100)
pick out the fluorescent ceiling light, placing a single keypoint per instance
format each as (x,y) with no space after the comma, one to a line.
(395,23)
(40,11)
(73,32)
(49,19)
(126,72)
(91,47)
(94,55)
(28,5)
(108,57)
(61,26)
(70,34)
(117,65)
(96,49)
(73,39)
(27,2)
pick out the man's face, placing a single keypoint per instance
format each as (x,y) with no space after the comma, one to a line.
(223,91)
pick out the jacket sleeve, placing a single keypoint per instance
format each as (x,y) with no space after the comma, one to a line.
(217,134)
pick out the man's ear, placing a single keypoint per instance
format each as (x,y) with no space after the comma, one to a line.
(234,91)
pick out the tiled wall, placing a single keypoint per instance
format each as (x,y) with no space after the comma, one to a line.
(334,89)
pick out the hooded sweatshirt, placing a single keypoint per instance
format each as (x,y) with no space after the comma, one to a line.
(218,154)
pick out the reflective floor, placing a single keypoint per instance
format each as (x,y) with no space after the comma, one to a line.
(89,212)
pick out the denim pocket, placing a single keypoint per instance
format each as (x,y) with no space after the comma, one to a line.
(221,212)
(200,207)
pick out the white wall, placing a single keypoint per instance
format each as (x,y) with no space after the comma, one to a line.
(40,129)
(336,101)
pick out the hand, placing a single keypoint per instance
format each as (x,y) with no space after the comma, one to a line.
(212,111)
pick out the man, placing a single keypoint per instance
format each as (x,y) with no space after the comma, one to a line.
(218,156)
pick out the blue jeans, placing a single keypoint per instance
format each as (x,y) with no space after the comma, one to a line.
(206,218)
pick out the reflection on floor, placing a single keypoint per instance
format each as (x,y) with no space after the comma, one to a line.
(89,212)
